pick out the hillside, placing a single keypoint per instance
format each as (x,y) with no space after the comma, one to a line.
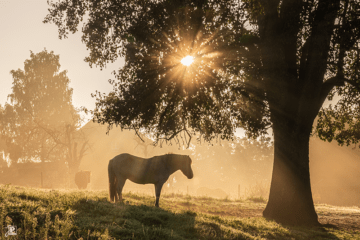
(40,214)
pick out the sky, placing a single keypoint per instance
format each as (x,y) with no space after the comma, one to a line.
(22,31)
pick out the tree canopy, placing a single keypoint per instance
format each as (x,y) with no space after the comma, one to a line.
(154,90)
(224,88)
(257,64)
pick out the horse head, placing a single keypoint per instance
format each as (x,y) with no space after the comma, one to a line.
(187,170)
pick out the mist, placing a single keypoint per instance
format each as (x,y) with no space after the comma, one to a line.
(222,169)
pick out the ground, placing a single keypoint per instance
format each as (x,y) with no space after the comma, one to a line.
(81,214)
(342,218)
(347,218)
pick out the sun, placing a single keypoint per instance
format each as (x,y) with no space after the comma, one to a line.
(187,60)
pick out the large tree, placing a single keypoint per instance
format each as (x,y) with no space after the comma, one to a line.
(40,122)
(257,64)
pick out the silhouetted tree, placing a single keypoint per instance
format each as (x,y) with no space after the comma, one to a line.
(40,122)
(256,64)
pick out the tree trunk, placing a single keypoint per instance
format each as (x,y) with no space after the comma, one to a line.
(290,201)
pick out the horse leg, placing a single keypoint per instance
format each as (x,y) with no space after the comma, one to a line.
(158,187)
(119,187)
(113,193)
(112,184)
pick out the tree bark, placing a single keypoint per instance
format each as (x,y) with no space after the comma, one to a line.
(290,201)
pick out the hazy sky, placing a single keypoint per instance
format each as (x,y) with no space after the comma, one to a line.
(22,31)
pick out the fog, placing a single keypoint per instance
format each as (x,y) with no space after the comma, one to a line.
(222,169)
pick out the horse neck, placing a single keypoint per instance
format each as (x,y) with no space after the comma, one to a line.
(174,164)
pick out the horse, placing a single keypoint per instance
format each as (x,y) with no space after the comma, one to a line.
(155,170)
(82,179)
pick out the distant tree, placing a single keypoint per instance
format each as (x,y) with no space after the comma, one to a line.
(3,163)
(215,159)
(242,161)
(143,143)
(257,64)
(40,122)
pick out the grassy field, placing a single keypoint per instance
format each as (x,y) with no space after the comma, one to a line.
(56,214)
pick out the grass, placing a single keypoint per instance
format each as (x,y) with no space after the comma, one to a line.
(60,214)
(257,199)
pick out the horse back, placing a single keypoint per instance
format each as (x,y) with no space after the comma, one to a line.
(139,170)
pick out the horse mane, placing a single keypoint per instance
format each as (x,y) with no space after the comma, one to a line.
(169,155)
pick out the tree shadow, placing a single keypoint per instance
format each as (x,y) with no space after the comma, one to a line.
(319,232)
(94,218)
(124,221)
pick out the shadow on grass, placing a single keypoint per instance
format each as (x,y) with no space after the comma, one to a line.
(314,232)
(124,221)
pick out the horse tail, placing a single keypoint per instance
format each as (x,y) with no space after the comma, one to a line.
(112,183)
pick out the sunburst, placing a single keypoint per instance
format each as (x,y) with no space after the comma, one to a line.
(187,61)
(185,54)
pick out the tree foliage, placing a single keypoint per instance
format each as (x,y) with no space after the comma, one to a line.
(154,91)
(342,121)
(224,88)
(40,119)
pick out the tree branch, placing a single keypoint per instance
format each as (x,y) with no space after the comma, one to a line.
(137,133)
(319,43)
(329,84)
(174,135)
